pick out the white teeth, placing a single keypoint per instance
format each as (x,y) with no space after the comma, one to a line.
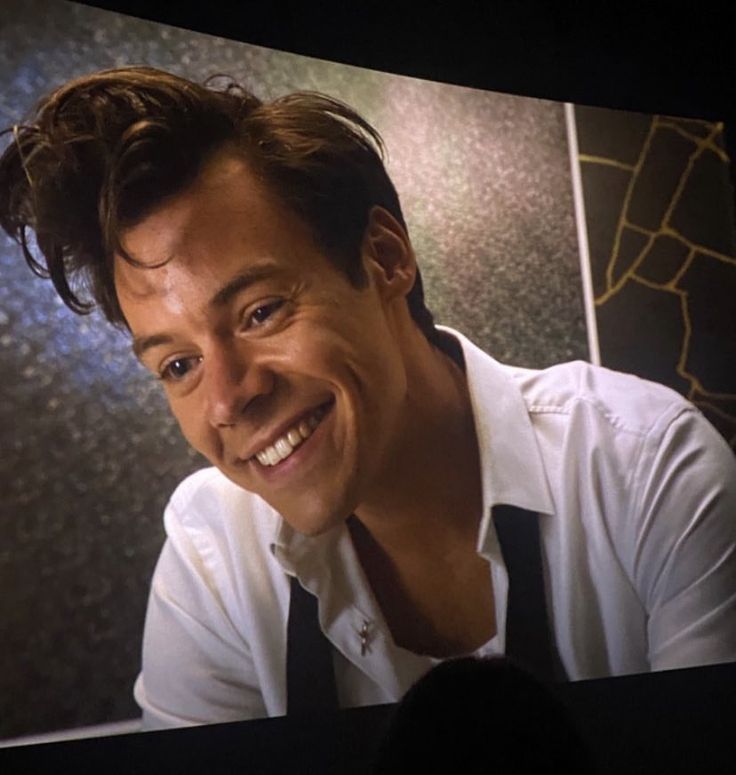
(286,444)
(283,447)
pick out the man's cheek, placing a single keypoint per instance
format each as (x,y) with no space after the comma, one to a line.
(192,430)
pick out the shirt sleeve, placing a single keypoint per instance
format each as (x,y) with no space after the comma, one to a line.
(197,668)
(685,553)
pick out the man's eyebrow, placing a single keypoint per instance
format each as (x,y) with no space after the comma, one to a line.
(221,298)
(240,282)
(143,343)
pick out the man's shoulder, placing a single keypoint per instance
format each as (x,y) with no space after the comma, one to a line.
(625,401)
(622,401)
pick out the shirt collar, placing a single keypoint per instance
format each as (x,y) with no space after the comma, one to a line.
(512,471)
(300,554)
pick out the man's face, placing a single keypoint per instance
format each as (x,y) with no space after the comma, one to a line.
(280,372)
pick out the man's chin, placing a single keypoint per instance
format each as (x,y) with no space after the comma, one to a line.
(309,515)
(314,527)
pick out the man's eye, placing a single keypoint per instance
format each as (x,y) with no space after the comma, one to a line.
(177,369)
(262,313)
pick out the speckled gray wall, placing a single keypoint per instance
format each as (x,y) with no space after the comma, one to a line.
(89,453)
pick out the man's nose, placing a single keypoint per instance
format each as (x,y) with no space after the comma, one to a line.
(233,382)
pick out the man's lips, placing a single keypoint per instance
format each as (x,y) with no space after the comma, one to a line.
(289,437)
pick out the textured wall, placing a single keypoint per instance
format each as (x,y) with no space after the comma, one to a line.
(89,453)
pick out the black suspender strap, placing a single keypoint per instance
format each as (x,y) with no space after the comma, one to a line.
(310,674)
(529,639)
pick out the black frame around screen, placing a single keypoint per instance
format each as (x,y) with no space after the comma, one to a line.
(633,60)
(664,59)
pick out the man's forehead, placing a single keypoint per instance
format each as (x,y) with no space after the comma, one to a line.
(172,230)
(200,247)
(224,183)
(142,282)
(151,245)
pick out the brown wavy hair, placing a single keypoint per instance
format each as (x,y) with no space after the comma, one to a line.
(102,151)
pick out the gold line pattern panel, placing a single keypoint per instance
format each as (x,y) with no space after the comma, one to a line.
(660,219)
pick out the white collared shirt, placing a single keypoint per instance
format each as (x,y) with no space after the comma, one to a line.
(637,500)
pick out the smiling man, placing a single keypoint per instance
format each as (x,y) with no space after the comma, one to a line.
(383,494)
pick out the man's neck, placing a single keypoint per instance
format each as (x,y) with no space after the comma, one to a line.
(416,540)
(428,498)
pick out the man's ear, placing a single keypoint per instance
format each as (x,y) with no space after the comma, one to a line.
(387,254)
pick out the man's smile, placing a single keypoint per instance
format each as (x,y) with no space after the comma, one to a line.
(289,440)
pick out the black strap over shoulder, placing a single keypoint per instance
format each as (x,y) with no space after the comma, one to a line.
(310,674)
(528,636)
